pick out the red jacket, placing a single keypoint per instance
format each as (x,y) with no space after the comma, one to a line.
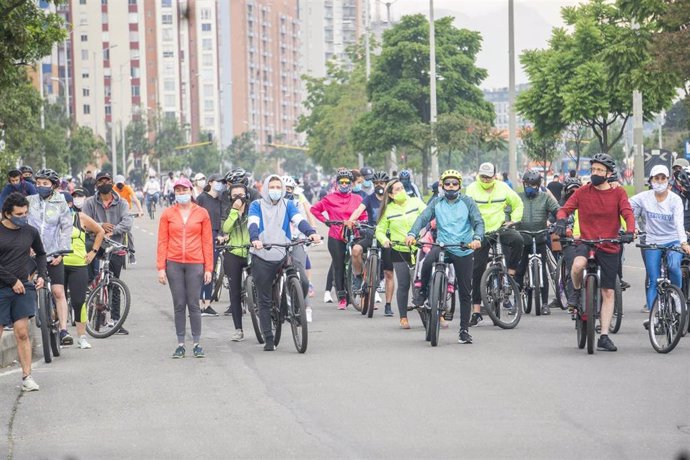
(186,243)
(338,206)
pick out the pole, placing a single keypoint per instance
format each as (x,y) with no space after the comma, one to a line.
(432,89)
(512,118)
(95,94)
(661,124)
(367,54)
(122,121)
(638,142)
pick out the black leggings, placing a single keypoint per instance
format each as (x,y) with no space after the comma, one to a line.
(337,250)
(76,280)
(233,266)
(463,278)
(401,266)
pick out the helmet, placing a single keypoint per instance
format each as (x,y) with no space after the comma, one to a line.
(605,159)
(571,184)
(367,173)
(237,175)
(404,174)
(683,180)
(450,173)
(343,173)
(288,182)
(49,174)
(532,178)
(26,169)
(380,176)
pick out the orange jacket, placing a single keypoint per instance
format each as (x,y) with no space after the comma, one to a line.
(186,243)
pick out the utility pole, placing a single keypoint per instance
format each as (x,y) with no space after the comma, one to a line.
(367,63)
(43,115)
(432,89)
(512,118)
(638,142)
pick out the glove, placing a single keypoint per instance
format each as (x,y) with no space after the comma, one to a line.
(559,227)
(627,238)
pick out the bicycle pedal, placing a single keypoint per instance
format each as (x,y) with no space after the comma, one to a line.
(448,316)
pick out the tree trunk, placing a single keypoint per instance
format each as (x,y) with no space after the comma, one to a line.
(577,162)
(426,156)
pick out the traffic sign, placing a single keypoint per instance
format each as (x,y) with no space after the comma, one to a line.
(656,157)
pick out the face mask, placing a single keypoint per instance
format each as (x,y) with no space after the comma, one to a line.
(531,192)
(597,180)
(16,187)
(451,194)
(201,183)
(20,221)
(400,197)
(44,192)
(344,188)
(487,185)
(676,174)
(659,187)
(289,196)
(79,202)
(275,195)
(368,184)
(379,190)
(183,199)
(105,189)
(357,188)
(120,186)
(218,186)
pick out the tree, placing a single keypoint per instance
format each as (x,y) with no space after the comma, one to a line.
(242,151)
(167,138)
(588,74)
(540,148)
(83,147)
(576,135)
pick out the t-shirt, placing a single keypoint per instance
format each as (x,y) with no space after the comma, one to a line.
(663,220)
(14,254)
(213,207)
(555,188)
(126,193)
(373,205)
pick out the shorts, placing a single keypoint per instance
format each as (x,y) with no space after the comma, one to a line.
(390,256)
(57,273)
(608,263)
(366,242)
(14,307)
(307,264)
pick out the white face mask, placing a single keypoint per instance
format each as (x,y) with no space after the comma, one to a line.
(79,202)
(201,183)
(659,187)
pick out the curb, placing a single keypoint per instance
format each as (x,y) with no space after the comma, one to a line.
(8,346)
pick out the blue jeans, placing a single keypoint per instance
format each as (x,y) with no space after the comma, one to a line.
(652,262)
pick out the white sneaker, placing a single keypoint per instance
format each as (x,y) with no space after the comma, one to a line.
(237,336)
(382,286)
(309,314)
(327,297)
(377,298)
(29,384)
(83,343)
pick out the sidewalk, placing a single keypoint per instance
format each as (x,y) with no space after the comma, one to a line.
(8,347)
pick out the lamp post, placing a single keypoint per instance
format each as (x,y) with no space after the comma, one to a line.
(432,88)
(512,118)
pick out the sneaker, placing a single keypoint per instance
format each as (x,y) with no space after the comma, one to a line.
(605,344)
(311,290)
(8,328)
(382,286)
(29,384)
(545,310)
(83,343)
(577,297)
(377,298)
(228,312)
(198,351)
(327,297)
(342,304)
(508,305)
(132,259)
(476,319)
(179,352)
(404,323)
(357,283)
(645,309)
(388,311)
(237,336)
(308,311)
(208,311)
(645,324)
(624,285)
(464,337)
(110,323)
(269,345)
(122,331)
(65,338)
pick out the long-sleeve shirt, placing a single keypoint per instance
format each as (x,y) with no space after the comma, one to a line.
(492,204)
(235,226)
(114,212)
(53,220)
(14,254)
(536,213)
(663,219)
(213,207)
(23,187)
(338,206)
(187,241)
(397,221)
(599,213)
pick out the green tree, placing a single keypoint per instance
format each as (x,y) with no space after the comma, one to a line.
(588,74)
(83,147)
(242,152)
(540,148)
(168,136)
(20,106)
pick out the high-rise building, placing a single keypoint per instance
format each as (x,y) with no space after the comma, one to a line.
(499,98)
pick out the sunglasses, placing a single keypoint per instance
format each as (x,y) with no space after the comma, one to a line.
(344,182)
(486,178)
(451,183)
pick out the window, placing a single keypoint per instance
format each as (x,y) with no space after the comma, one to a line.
(135,72)
(166,3)
(167,19)
(205,13)
(207,74)
(105,36)
(168,54)
(169,100)
(85,92)
(207,60)
(209,105)
(82,19)
(136,92)
(108,110)
(208,91)
(133,18)
(104,18)
(87,109)
(206,27)
(207,44)
(134,54)
(167,34)
(133,35)
(209,121)
(84,55)
(84,38)
(82,2)
(169,84)
(170,115)
(84,74)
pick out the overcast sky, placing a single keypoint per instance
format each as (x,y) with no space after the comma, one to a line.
(534,20)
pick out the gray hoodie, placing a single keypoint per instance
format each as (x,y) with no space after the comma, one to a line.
(117,214)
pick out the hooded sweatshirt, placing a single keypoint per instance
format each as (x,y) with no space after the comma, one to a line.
(53,220)
(270,223)
(116,213)
(339,206)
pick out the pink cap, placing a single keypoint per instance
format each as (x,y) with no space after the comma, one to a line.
(182,182)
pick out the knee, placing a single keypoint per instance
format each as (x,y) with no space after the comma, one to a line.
(388,274)
(21,332)
(58,292)
(357,250)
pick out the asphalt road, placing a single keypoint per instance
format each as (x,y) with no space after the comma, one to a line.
(364,389)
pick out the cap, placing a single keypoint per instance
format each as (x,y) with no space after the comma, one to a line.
(199,176)
(215,177)
(487,169)
(182,182)
(682,162)
(68,197)
(103,174)
(79,192)
(659,169)
(119,179)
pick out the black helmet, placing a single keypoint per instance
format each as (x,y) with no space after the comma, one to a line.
(531,178)
(343,173)
(237,176)
(380,176)
(49,174)
(683,180)
(26,169)
(571,184)
(367,173)
(605,159)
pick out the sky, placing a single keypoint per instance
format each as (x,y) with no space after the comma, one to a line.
(534,20)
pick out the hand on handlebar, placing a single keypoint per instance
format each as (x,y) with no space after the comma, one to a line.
(40,282)
(56,261)
(349,224)
(315,237)
(474,245)
(257,244)
(410,240)
(627,238)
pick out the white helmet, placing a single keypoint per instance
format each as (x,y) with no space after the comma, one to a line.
(289,182)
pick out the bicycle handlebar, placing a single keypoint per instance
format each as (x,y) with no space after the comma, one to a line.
(535,233)
(231,246)
(288,245)
(591,242)
(661,248)
(440,245)
(55,254)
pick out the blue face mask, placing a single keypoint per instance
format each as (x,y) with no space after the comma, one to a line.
(183,199)
(20,221)
(368,184)
(531,192)
(218,186)
(357,188)
(275,195)
(16,187)
(344,188)
(44,192)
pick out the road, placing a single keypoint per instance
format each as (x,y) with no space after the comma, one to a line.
(364,389)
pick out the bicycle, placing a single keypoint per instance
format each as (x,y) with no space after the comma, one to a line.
(668,315)
(371,275)
(219,279)
(353,297)
(499,291)
(534,276)
(47,317)
(151,200)
(107,293)
(248,293)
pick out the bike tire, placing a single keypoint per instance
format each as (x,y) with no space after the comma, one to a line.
(667,320)
(581,330)
(561,284)
(353,299)
(685,270)
(617,318)
(219,274)
(277,321)
(372,284)
(591,304)
(536,288)
(450,300)
(252,307)
(436,303)
(54,327)
(298,315)
(95,308)
(424,317)
(493,297)
(42,320)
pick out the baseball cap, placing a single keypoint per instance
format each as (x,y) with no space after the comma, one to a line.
(182,182)
(79,192)
(199,176)
(119,179)
(682,162)
(102,175)
(659,169)
(215,178)
(487,169)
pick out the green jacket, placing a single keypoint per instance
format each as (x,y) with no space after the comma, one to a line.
(397,221)
(492,204)
(536,212)
(235,226)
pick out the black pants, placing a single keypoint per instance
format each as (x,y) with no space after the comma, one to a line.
(401,265)
(264,273)
(76,280)
(116,263)
(337,250)
(522,269)
(329,278)
(233,266)
(463,278)
(512,243)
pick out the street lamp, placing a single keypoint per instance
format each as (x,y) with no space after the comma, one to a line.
(432,88)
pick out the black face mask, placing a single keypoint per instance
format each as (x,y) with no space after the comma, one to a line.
(676,174)
(597,180)
(379,190)
(289,196)
(120,186)
(451,194)
(105,189)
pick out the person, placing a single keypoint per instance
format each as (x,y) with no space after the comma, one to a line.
(398,212)
(662,214)
(129,195)
(340,205)
(236,259)
(680,185)
(210,201)
(185,261)
(28,174)
(89,183)
(269,222)
(458,220)
(51,216)
(168,192)
(410,186)
(17,293)
(16,183)
(570,185)
(538,206)
(112,213)
(232,177)
(199,185)
(434,192)
(368,184)
(492,198)
(507,181)
(555,187)
(76,265)
(572,173)
(600,207)
(357,183)
(152,190)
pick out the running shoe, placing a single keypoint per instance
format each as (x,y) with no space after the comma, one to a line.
(342,304)
(464,337)
(179,352)
(606,344)
(209,311)
(388,311)
(83,343)
(198,351)
(237,336)
(476,319)
(269,345)
(29,384)
(327,297)
(65,338)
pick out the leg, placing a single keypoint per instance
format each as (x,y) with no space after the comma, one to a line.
(541,249)
(264,274)
(176,280)
(357,253)
(390,285)
(234,266)
(427,265)
(463,276)
(299,260)
(481,257)
(21,335)
(57,278)
(116,263)
(522,267)
(652,262)
(337,251)
(329,278)
(606,314)
(76,279)
(402,273)
(513,245)
(194,279)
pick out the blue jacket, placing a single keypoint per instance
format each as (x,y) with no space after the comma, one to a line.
(24,187)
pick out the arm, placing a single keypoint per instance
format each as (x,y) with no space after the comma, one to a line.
(125,224)
(516,204)
(66,222)
(298,219)
(626,211)
(233,216)
(423,219)
(137,202)
(207,241)
(551,207)
(92,226)
(307,212)
(253,220)
(40,252)
(318,209)
(570,206)
(678,219)
(162,252)
(636,205)
(357,212)
(381,233)
(476,219)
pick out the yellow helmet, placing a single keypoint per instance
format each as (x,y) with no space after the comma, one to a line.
(450,173)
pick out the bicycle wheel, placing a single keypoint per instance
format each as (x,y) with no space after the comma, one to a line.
(424,317)
(617,308)
(218,275)
(355,299)
(42,320)
(667,319)
(581,329)
(250,299)
(591,304)
(685,270)
(100,322)
(297,314)
(561,284)
(54,324)
(436,303)
(372,284)
(450,303)
(501,297)
(536,288)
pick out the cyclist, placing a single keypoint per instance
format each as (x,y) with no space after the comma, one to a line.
(398,212)
(368,184)
(570,185)
(269,222)
(168,191)
(357,183)
(129,195)
(410,187)
(492,198)
(340,205)
(28,174)
(458,220)
(538,207)
(152,191)
(15,183)
(199,185)
(599,208)
(210,201)
(662,214)
(51,216)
